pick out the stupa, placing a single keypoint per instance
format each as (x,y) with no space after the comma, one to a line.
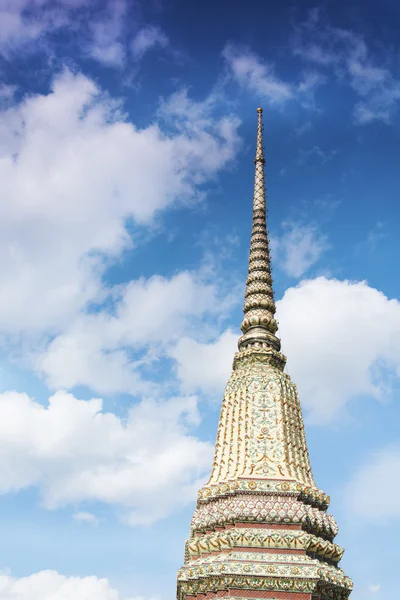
(261,528)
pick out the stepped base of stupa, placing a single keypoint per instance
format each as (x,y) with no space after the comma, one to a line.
(276,545)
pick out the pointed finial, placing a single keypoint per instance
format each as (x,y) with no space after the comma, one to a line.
(259,323)
(259,147)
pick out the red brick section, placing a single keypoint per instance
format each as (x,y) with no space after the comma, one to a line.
(267,550)
(251,525)
(255,550)
(208,595)
(267,526)
(250,549)
(269,594)
(253,594)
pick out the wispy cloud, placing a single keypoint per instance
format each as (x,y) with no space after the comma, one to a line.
(323,156)
(7,91)
(256,75)
(298,248)
(259,77)
(85,517)
(372,239)
(98,28)
(306,89)
(346,54)
(304,128)
(23,22)
(364,493)
(147,38)
(106,43)
(376,234)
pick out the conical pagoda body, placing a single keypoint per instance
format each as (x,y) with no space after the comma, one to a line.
(261,528)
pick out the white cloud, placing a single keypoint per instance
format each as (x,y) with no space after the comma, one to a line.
(364,494)
(256,75)
(147,38)
(299,248)
(205,366)
(149,314)
(73,170)
(340,338)
(85,517)
(50,585)
(374,587)
(147,464)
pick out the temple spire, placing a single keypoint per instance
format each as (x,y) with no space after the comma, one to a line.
(261,527)
(259,324)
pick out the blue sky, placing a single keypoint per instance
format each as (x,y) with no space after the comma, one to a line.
(127,137)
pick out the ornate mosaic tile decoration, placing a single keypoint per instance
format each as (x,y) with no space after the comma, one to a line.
(260,525)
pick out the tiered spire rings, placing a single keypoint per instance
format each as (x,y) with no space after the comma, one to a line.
(259,307)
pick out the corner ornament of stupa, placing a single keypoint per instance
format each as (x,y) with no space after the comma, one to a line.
(261,527)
